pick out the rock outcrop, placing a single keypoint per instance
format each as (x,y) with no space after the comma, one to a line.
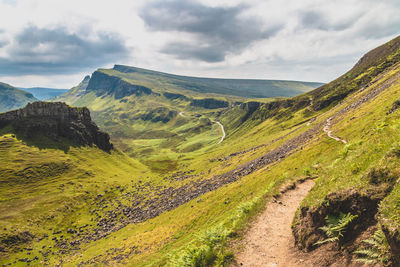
(101,83)
(56,120)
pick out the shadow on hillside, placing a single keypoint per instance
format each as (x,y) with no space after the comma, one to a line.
(44,142)
(41,141)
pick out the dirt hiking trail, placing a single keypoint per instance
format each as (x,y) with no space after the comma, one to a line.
(223,132)
(327,129)
(269,242)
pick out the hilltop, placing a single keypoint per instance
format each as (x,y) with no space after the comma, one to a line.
(12,98)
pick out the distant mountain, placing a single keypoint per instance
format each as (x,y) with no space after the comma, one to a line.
(12,97)
(42,93)
(251,88)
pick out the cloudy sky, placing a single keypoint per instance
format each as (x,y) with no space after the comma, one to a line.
(56,43)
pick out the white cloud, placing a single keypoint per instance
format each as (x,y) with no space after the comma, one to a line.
(314,40)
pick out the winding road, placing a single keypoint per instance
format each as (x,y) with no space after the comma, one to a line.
(223,132)
(217,122)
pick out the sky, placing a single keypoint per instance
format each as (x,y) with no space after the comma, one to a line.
(52,43)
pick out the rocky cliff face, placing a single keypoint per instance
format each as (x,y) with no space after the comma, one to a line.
(102,83)
(56,120)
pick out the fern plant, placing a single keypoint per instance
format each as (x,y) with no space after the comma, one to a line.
(336,227)
(377,250)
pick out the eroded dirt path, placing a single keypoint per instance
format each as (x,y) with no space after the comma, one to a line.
(327,129)
(269,241)
(223,132)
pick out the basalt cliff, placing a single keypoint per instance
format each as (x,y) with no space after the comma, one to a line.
(56,121)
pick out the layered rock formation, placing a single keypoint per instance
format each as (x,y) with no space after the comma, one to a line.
(56,120)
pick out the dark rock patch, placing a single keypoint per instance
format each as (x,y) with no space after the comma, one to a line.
(209,103)
(17,239)
(174,96)
(395,106)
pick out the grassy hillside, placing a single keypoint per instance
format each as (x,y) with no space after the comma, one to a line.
(12,98)
(45,191)
(185,204)
(42,93)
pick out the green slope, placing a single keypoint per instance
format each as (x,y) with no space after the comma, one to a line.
(12,98)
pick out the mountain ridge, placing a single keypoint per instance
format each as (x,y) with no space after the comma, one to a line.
(228,86)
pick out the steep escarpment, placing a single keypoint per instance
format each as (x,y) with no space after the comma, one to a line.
(101,83)
(55,121)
